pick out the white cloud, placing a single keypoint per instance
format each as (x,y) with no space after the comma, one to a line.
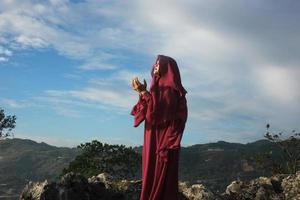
(279,84)
(223,67)
(85,31)
(26,41)
(98,63)
(106,96)
(113,92)
(3,59)
(14,103)
(4,53)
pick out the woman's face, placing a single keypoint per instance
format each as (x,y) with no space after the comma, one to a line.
(156,67)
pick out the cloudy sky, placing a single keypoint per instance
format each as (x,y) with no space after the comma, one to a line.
(66,65)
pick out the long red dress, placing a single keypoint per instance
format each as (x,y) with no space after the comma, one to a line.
(164,111)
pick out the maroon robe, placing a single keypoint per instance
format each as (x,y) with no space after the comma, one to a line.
(164,111)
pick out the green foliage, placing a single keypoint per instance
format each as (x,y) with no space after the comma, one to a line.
(7,123)
(270,162)
(96,158)
(290,153)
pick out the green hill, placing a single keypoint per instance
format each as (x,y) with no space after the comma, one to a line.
(217,164)
(23,160)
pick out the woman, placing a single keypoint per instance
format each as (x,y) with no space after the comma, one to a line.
(164,111)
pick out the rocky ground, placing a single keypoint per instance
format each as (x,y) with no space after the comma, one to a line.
(76,187)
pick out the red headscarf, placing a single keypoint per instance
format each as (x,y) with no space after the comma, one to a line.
(169,75)
(168,79)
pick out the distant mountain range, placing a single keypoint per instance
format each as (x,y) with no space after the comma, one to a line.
(25,160)
(218,164)
(213,164)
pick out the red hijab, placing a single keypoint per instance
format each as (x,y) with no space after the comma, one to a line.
(169,75)
(168,78)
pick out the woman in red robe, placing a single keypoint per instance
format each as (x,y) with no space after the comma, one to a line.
(164,111)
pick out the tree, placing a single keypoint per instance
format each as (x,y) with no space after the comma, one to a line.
(96,158)
(7,123)
(290,148)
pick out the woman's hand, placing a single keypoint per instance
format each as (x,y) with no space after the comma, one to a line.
(138,86)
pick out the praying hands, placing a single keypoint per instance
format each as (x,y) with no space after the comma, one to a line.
(138,86)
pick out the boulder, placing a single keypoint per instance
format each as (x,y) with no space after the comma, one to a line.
(262,188)
(71,187)
(195,192)
(291,186)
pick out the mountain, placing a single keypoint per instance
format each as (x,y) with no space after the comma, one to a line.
(214,164)
(23,160)
(217,164)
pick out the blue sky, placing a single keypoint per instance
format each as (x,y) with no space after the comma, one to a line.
(65,66)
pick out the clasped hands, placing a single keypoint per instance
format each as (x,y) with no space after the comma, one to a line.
(142,88)
(138,86)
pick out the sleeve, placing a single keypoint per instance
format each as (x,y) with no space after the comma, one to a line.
(139,111)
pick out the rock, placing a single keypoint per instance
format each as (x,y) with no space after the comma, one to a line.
(102,178)
(264,181)
(76,187)
(34,190)
(130,189)
(71,187)
(262,188)
(40,190)
(276,183)
(73,180)
(291,186)
(104,186)
(195,192)
(234,187)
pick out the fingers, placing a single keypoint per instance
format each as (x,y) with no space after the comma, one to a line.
(133,83)
(138,83)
